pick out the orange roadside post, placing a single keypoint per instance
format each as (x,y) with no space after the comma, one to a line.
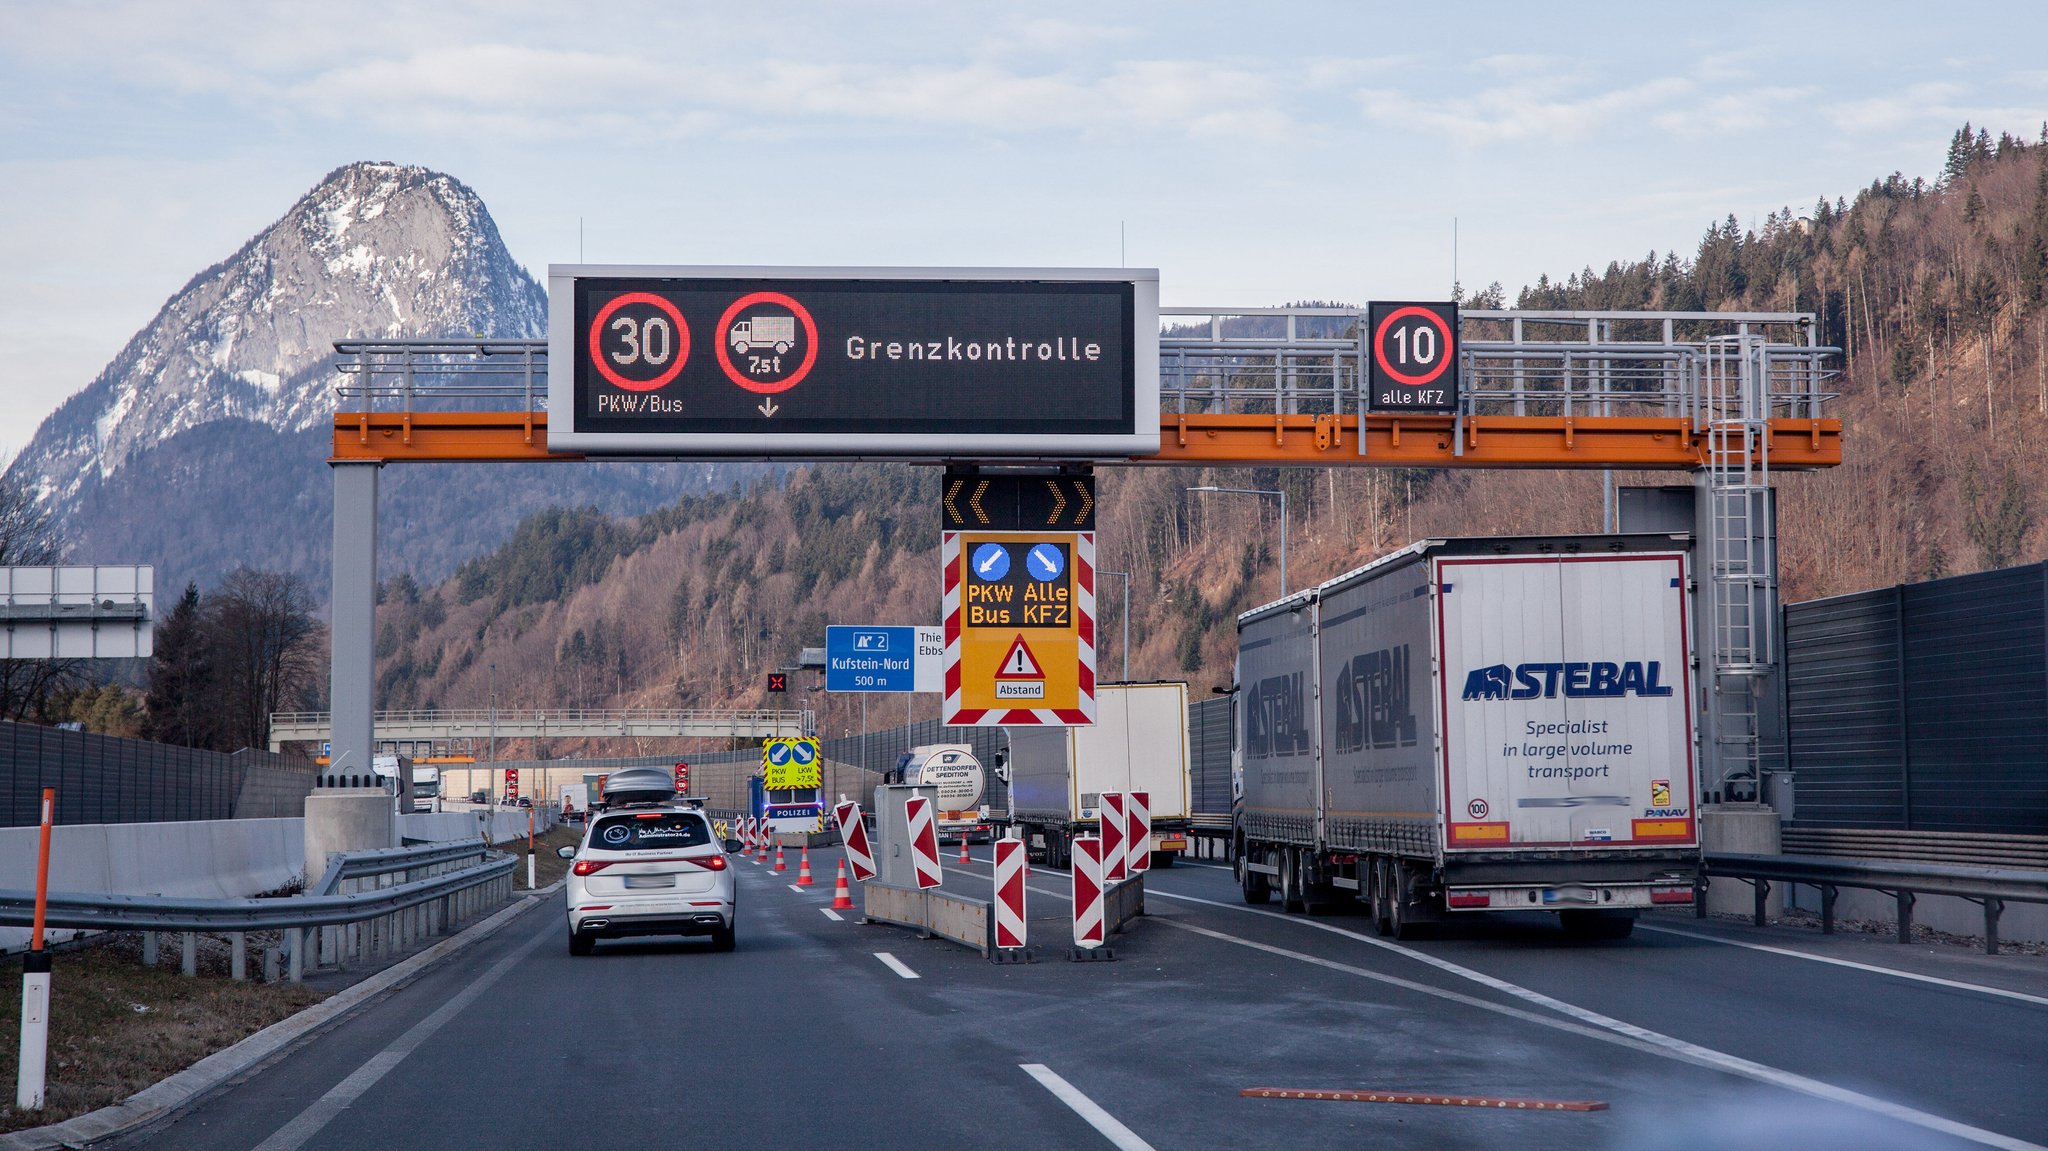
(35,978)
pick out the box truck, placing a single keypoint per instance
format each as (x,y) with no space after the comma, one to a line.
(1139,742)
(963,787)
(1475,725)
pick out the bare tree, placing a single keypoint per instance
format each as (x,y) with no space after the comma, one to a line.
(27,538)
(265,647)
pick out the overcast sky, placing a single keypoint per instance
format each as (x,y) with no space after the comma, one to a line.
(1255,154)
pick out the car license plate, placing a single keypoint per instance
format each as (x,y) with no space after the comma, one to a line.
(650,881)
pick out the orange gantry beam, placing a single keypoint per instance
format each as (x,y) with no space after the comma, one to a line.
(1204,440)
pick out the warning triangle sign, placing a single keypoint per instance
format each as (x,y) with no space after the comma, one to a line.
(1019,663)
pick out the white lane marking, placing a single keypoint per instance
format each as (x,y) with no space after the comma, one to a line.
(1210,866)
(896,965)
(1120,1136)
(1870,967)
(322,1111)
(797,889)
(833,915)
(1641,1038)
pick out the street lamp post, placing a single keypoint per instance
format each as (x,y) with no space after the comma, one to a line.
(494,730)
(1282,496)
(1126,576)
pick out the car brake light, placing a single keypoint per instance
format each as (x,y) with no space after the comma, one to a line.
(710,862)
(589,866)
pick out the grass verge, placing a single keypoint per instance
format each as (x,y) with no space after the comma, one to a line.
(548,867)
(117,1027)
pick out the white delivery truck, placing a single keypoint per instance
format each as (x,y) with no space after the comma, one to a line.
(1475,725)
(418,784)
(1139,742)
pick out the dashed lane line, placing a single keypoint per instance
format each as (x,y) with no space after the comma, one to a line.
(1119,1136)
(1936,980)
(306,1124)
(896,965)
(832,915)
(1603,1027)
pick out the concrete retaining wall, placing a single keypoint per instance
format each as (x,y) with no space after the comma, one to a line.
(496,824)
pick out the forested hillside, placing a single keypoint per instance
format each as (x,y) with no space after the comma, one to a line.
(1937,290)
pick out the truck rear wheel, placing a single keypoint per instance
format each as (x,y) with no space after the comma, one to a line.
(1257,888)
(1291,898)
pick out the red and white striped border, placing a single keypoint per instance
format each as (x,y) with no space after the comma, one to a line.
(924,842)
(1084,608)
(1087,877)
(1010,929)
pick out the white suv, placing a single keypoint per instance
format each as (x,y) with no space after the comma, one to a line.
(650,869)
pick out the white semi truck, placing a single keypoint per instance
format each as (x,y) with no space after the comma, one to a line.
(1475,725)
(1139,742)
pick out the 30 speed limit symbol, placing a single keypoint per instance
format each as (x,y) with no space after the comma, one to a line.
(1414,357)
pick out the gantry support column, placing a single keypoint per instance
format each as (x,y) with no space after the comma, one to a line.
(352,667)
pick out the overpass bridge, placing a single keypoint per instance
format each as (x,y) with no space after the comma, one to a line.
(566,723)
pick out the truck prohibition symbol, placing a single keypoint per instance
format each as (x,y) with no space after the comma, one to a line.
(777,332)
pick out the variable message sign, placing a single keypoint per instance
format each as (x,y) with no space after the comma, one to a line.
(808,363)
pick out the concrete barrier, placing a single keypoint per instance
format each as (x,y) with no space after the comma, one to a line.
(499,825)
(199,859)
(1122,903)
(934,912)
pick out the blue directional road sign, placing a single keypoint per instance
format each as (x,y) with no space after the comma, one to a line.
(898,659)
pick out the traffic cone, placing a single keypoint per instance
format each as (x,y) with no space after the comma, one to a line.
(779,864)
(803,871)
(964,857)
(842,899)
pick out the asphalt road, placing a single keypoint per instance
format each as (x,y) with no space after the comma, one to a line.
(804,1037)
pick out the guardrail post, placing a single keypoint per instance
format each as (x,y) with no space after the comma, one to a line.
(1763,896)
(238,956)
(270,965)
(149,955)
(1905,899)
(1993,908)
(295,942)
(188,963)
(1828,892)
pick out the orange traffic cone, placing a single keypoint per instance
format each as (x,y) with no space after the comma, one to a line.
(842,899)
(803,871)
(779,864)
(964,857)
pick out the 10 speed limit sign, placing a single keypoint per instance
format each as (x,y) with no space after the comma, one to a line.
(1414,358)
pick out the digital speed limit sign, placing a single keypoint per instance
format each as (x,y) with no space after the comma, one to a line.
(1414,358)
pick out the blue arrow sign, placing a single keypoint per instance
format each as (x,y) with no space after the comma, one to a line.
(1045,562)
(778,754)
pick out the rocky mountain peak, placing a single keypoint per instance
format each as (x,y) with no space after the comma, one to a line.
(374,250)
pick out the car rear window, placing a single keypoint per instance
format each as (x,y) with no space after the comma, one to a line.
(650,829)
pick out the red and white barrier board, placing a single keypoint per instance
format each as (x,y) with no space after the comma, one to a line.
(1111,807)
(1138,830)
(1009,902)
(853,834)
(924,841)
(1088,930)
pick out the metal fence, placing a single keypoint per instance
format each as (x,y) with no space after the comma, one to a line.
(107,779)
(1922,707)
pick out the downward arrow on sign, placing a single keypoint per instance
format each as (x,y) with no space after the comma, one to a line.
(767,407)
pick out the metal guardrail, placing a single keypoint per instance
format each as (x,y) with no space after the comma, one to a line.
(374,921)
(1989,887)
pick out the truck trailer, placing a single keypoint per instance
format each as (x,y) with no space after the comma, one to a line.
(1139,742)
(1475,725)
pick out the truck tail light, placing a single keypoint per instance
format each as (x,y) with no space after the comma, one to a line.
(1671,895)
(589,866)
(1469,899)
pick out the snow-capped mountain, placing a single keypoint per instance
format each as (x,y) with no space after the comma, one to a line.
(376,250)
(202,446)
